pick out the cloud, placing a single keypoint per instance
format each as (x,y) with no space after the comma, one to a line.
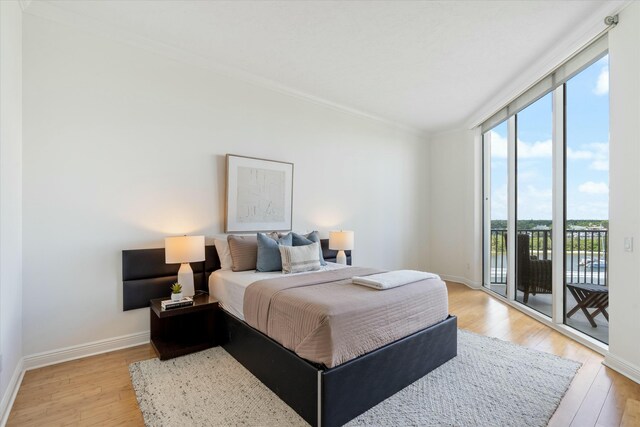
(527,175)
(498,146)
(597,152)
(600,165)
(499,206)
(602,84)
(591,187)
(587,209)
(535,202)
(578,154)
(535,150)
(526,150)
(600,159)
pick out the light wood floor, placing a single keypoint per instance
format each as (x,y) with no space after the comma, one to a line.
(97,390)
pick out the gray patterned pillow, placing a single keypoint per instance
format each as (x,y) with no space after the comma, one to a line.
(296,259)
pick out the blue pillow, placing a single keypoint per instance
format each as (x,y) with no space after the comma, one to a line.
(313,237)
(269,258)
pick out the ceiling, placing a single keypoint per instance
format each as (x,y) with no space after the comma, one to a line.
(425,65)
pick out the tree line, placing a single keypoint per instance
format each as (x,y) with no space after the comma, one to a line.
(540,240)
(529,224)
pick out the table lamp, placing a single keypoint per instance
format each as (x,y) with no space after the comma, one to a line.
(341,241)
(183,250)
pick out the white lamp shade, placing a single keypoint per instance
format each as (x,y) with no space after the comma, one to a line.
(183,249)
(341,240)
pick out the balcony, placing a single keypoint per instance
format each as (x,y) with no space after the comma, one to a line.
(585,261)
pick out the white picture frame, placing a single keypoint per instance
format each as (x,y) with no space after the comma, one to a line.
(259,195)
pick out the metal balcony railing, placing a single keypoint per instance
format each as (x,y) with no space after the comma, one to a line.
(585,254)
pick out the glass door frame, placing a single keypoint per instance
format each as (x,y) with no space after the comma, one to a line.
(558,233)
(558,208)
(486,215)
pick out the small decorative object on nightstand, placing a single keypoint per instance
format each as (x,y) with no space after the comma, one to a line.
(341,241)
(183,330)
(176,292)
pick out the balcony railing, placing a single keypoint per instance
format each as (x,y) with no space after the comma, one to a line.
(585,254)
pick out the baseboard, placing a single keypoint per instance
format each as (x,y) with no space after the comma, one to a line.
(83,350)
(463,280)
(63,355)
(11,393)
(622,366)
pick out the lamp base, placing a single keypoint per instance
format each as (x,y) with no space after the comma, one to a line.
(341,258)
(185,278)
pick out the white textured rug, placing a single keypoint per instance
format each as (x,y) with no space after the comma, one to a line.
(490,383)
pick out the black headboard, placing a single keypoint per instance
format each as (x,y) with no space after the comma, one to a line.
(146,276)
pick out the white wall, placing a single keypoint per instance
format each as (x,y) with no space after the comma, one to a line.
(624,196)
(123,147)
(454,215)
(10,197)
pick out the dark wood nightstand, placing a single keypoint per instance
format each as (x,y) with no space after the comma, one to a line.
(183,330)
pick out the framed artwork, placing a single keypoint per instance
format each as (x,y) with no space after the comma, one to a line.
(259,195)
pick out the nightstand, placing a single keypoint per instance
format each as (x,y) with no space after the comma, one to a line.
(183,330)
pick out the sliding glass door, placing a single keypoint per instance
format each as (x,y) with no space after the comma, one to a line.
(587,201)
(546,185)
(534,195)
(497,207)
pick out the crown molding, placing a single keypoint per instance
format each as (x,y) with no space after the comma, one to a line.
(449,131)
(49,10)
(573,41)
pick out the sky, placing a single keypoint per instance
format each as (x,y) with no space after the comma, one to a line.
(587,172)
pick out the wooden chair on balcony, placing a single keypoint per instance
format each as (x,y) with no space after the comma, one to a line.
(533,275)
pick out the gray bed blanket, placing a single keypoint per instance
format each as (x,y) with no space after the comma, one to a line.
(326,319)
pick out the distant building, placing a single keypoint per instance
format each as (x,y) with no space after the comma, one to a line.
(541,227)
(596,227)
(577,227)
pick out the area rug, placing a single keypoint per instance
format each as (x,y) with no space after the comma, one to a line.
(490,383)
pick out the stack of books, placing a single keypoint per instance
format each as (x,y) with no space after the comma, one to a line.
(169,304)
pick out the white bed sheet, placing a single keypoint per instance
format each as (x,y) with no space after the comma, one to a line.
(228,286)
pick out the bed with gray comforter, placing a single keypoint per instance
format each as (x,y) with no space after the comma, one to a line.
(328,320)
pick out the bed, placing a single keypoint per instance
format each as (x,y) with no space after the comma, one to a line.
(324,318)
(325,391)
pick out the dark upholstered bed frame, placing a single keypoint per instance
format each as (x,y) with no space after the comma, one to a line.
(321,396)
(332,397)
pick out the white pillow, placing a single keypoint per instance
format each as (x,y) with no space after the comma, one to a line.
(222,247)
(296,259)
